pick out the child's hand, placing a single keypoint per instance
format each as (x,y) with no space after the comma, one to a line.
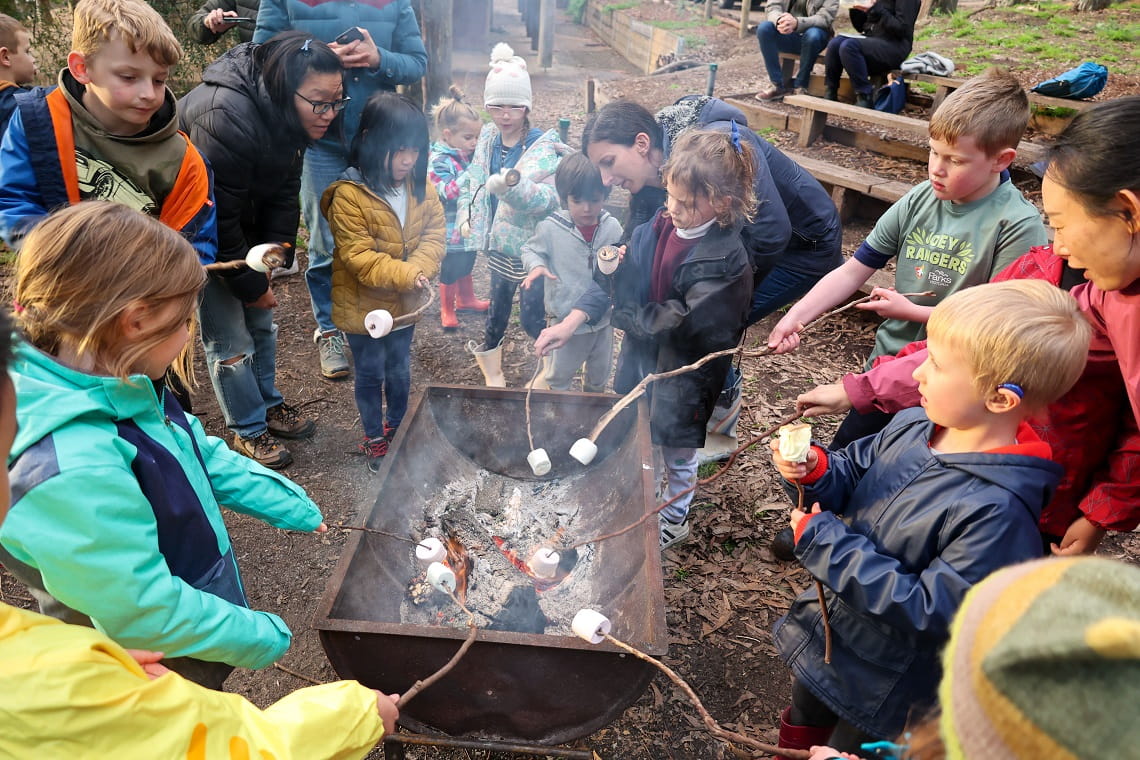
(798,515)
(535,274)
(552,338)
(823,399)
(149,662)
(792,470)
(889,304)
(785,336)
(422,281)
(497,184)
(1082,537)
(465,229)
(830,753)
(386,707)
(322,528)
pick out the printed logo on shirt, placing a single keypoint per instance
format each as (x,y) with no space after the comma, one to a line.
(938,250)
(940,277)
(919,271)
(100,181)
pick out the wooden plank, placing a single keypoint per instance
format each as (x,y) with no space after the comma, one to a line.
(917,127)
(759,116)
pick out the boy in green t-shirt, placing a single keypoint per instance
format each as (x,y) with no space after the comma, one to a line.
(959,228)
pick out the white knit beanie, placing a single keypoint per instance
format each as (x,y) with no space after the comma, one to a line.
(508,83)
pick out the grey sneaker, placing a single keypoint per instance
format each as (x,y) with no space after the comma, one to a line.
(334,362)
(264,449)
(672,533)
(286,422)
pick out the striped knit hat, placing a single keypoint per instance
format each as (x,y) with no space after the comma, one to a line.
(1044,662)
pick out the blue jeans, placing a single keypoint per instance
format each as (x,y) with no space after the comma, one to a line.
(246,388)
(779,288)
(808,44)
(382,370)
(322,168)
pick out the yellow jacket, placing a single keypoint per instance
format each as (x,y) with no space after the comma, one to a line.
(71,692)
(375,262)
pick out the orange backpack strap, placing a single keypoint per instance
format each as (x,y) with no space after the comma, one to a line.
(64,142)
(191,190)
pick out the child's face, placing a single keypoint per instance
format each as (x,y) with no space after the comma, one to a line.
(158,359)
(1104,246)
(20,62)
(509,119)
(463,135)
(584,212)
(946,382)
(962,172)
(7,436)
(323,89)
(124,89)
(625,166)
(687,209)
(402,162)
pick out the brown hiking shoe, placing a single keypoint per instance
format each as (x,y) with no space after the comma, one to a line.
(775,92)
(286,422)
(265,450)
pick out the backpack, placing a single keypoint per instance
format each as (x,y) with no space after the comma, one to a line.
(1084,81)
(891,98)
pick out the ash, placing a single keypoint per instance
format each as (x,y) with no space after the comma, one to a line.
(524,516)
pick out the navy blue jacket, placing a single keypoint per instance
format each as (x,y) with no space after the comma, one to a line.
(905,535)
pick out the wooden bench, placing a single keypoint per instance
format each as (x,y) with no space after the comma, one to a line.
(947,85)
(846,185)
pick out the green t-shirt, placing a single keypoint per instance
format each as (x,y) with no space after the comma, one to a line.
(944,247)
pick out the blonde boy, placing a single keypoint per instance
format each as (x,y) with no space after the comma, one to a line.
(913,517)
(17,64)
(962,226)
(109,131)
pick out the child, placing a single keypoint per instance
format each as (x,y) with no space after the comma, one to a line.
(121,127)
(117,520)
(17,65)
(914,516)
(959,228)
(458,126)
(500,218)
(388,235)
(131,705)
(682,291)
(562,250)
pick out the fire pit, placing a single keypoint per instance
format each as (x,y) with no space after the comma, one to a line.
(548,687)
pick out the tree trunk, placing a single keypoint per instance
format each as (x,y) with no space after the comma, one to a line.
(1091,5)
(437,30)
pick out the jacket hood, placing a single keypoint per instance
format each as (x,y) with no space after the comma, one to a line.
(441,148)
(695,111)
(50,395)
(236,70)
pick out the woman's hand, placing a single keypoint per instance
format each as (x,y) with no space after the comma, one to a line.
(792,470)
(831,398)
(358,54)
(386,707)
(534,274)
(215,20)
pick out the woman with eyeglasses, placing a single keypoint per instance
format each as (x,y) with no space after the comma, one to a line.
(257,109)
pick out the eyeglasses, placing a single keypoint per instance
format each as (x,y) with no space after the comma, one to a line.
(506,109)
(322,106)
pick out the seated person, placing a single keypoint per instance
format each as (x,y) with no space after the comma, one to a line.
(795,26)
(887,28)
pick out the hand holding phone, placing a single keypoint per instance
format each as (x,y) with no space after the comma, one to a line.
(348,36)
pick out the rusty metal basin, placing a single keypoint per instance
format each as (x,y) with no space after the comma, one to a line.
(510,686)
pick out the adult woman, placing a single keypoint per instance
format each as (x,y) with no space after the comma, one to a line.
(257,108)
(888,33)
(379,46)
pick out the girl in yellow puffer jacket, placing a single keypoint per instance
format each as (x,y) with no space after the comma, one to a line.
(389,233)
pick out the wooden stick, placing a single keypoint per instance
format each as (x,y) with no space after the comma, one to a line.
(472,632)
(818,587)
(526,404)
(295,674)
(362,529)
(413,316)
(711,725)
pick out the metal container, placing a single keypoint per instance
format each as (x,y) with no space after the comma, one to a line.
(509,686)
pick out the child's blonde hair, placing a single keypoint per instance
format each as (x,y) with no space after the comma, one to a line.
(992,108)
(718,166)
(9,28)
(135,22)
(82,266)
(1026,332)
(449,112)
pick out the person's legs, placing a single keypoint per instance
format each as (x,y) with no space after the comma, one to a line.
(599,361)
(502,298)
(321,169)
(532,307)
(680,473)
(567,360)
(807,723)
(368,371)
(230,350)
(779,288)
(851,55)
(811,43)
(263,330)
(397,376)
(768,38)
(832,67)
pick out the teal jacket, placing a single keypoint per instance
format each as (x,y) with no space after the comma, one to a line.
(115,513)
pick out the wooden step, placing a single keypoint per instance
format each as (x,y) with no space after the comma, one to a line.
(846,185)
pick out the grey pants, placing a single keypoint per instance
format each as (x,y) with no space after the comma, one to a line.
(594,349)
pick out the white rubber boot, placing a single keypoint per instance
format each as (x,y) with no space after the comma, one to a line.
(540,383)
(491,364)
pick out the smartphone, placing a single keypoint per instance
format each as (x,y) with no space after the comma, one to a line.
(352,34)
(239,20)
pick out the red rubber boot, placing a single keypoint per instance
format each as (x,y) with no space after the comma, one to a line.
(800,737)
(465,299)
(447,307)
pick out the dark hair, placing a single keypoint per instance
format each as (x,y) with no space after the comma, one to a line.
(620,123)
(6,328)
(1098,154)
(579,178)
(389,123)
(284,61)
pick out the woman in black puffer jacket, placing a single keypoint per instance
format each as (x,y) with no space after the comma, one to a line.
(257,109)
(888,33)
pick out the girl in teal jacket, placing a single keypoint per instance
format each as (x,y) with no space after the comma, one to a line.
(115,520)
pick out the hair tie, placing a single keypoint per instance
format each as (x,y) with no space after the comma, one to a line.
(735,135)
(1013,388)
(17,308)
(305,48)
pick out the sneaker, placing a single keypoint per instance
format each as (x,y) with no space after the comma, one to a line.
(292,269)
(374,449)
(776,92)
(286,422)
(334,362)
(672,533)
(265,450)
(864,100)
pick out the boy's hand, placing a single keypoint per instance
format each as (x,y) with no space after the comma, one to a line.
(215,20)
(798,515)
(823,399)
(535,274)
(889,304)
(792,470)
(149,662)
(1082,537)
(358,54)
(389,713)
(785,336)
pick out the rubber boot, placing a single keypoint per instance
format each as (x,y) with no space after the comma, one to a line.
(490,363)
(465,299)
(447,307)
(800,737)
(540,383)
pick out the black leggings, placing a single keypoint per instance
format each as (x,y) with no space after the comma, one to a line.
(456,265)
(532,310)
(808,710)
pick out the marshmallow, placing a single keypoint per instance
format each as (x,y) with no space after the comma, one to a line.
(441,578)
(263,257)
(591,625)
(544,563)
(795,442)
(430,550)
(539,462)
(378,322)
(584,450)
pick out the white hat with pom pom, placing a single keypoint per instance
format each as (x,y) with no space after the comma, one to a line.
(508,83)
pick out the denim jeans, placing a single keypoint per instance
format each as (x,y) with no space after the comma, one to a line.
(779,288)
(808,43)
(322,168)
(532,308)
(680,474)
(246,388)
(382,370)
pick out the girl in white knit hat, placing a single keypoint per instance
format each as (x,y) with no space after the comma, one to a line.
(498,211)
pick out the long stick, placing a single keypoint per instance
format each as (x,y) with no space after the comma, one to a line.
(711,725)
(413,316)
(526,404)
(818,587)
(362,529)
(472,632)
